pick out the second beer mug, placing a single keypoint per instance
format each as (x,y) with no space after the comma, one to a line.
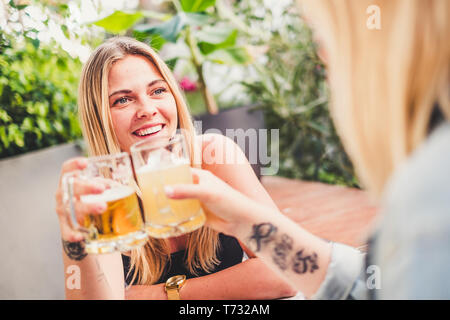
(158,164)
(120,226)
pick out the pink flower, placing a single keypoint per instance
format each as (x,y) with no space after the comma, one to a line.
(187,85)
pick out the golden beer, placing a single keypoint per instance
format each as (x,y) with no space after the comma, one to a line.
(120,225)
(168,217)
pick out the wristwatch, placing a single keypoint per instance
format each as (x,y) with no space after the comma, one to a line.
(173,286)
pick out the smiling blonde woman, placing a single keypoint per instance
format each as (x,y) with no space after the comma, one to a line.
(127,94)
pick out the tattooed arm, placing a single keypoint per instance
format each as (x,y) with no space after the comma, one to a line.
(91,276)
(291,251)
(294,253)
(86,276)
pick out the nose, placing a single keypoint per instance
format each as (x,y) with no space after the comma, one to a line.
(146,109)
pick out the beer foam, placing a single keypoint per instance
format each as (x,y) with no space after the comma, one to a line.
(160,161)
(108,195)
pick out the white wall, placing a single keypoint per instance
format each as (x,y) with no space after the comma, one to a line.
(30,244)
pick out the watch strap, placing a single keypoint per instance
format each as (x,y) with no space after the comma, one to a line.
(173,294)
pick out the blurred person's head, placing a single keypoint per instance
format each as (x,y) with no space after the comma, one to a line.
(125,88)
(384,82)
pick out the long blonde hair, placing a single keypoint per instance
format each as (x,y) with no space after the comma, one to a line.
(149,261)
(384,82)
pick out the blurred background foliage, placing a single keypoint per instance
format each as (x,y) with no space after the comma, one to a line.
(37,97)
(290,85)
(225,53)
(38,79)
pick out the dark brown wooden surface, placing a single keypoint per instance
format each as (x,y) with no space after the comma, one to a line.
(332,212)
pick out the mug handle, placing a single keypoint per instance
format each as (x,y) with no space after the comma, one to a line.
(68,199)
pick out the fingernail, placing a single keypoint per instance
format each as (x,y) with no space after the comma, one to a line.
(99,189)
(169,191)
(82,163)
(101,208)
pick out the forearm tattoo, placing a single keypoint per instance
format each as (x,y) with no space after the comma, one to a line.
(303,263)
(74,250)
(262,233)
(283,253)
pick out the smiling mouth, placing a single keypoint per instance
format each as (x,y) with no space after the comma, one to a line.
(149,131)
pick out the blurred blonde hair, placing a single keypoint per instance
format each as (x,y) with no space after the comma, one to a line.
(384,83)
(98,131)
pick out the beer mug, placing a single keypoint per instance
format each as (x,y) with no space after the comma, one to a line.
(120,227)
(158,164)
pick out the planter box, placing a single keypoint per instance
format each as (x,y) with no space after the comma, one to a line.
(241,124)
(30,241)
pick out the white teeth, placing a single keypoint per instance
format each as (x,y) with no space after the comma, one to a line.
(150,130)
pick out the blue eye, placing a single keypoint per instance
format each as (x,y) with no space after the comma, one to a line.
(122,100)
(159,91)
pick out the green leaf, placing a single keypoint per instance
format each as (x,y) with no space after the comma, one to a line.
(155,41)
(65,30)
(211,39)
(196,5)
(43,125)
(58,126)
(4,116)
(41,108)
(119,21)
(27,124)
(168,30)
(230,56)
(35,43)
(156,15)
(4,136)
(14,134)
(197,19)
(17,6)
(18,139)
(171,63)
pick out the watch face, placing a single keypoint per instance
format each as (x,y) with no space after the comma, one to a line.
(176,281)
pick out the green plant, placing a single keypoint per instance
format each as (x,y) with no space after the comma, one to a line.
(290,85)
(38,78)
(38,86)
(206,34)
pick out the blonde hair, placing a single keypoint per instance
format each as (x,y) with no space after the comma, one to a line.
(148,261)
(384,82)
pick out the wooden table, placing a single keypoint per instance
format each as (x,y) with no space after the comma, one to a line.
(332,212)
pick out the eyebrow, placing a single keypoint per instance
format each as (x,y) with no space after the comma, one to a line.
(152,83)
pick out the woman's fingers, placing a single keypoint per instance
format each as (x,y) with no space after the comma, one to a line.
(85,187)
(82,209)
(80,187)
(73,164)
(184,191)
(70,235)
(200,174)
(196,190)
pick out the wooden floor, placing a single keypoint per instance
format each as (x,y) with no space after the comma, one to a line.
(332,212)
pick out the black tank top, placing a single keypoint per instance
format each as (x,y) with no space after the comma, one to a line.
(229,254)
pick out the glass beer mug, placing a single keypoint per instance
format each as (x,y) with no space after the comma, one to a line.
(161,163)
(120,227)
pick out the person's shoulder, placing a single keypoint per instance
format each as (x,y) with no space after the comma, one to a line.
(219,149)
(214,139)
(415,221)
(420,187)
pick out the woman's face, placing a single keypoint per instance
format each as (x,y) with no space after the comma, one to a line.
(141,103)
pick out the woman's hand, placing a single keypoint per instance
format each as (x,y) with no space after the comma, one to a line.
(80,187)
(225,207)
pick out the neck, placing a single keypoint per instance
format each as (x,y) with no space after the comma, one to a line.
(177,243)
